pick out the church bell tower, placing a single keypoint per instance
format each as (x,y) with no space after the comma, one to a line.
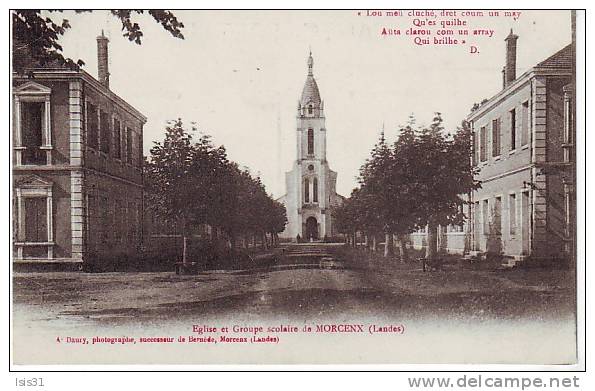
(311,184)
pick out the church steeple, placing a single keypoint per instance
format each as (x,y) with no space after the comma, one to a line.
(310,103)
(311,184)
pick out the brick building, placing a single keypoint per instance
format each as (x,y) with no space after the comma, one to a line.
(76,166)
(524,147)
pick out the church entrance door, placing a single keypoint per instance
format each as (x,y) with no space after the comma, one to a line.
(311,228)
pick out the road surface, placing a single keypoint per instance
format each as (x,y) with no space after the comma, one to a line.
(308,281)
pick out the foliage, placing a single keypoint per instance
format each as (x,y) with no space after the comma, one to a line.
(35,36)
(193,182)
(419,180)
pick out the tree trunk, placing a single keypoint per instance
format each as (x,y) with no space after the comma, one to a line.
(403,248)
(374,243)
(366,241)
(215,234)
(388,245)
(185,250)
(232,244)
(432,240)
(184,242)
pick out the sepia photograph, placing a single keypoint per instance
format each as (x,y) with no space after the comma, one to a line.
(284,187)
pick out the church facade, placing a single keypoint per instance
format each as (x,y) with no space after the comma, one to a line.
(311,193)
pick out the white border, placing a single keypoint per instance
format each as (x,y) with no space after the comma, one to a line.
(92,381)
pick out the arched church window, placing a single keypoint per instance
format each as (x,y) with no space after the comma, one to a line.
(315,190)
(310,109)
(310,141)
(306,190)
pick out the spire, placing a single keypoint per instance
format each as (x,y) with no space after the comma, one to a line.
(310,93)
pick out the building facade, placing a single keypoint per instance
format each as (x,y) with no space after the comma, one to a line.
(311,185)
(523,145)
(77,166)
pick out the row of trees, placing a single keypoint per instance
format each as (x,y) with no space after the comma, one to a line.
(193,182)
(418,181)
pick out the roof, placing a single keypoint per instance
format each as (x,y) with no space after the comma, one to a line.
(310,93)
(559,62)
(55,69)
(561,59)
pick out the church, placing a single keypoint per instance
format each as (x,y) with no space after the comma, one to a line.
(311,193)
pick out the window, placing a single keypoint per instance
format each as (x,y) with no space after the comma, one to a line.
(105,223)
(106,132)
(92,126)
(512,129)
(475,151)
(512,213)
(32,124)
(498,216)
(92,220)
(315,189)
(140,150)
(310,141)
(306,191)
(34,235)
(483,144)
(128,145)
(117,139)
(496,137)
(310,109)
(568,122)
(36,217)
(130,219)
(137,221)
(119,220)
(32,114)
(461,226)
(485,217)
(525,123)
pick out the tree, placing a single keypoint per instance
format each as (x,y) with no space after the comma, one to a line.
(348,216)
(375,193)
(35,36)
(180,175)
(421,180)
(445,176)
(193,182)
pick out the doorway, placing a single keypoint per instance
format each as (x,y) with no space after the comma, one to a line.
(311,229)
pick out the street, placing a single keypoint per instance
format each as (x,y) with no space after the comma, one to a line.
(452,315)
(309,281)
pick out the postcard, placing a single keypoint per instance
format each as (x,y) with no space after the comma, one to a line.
(200,187)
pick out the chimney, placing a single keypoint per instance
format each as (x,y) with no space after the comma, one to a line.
(102,60)
(510,68)
(504,77)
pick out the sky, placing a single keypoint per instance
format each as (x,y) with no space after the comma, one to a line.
(239,75)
